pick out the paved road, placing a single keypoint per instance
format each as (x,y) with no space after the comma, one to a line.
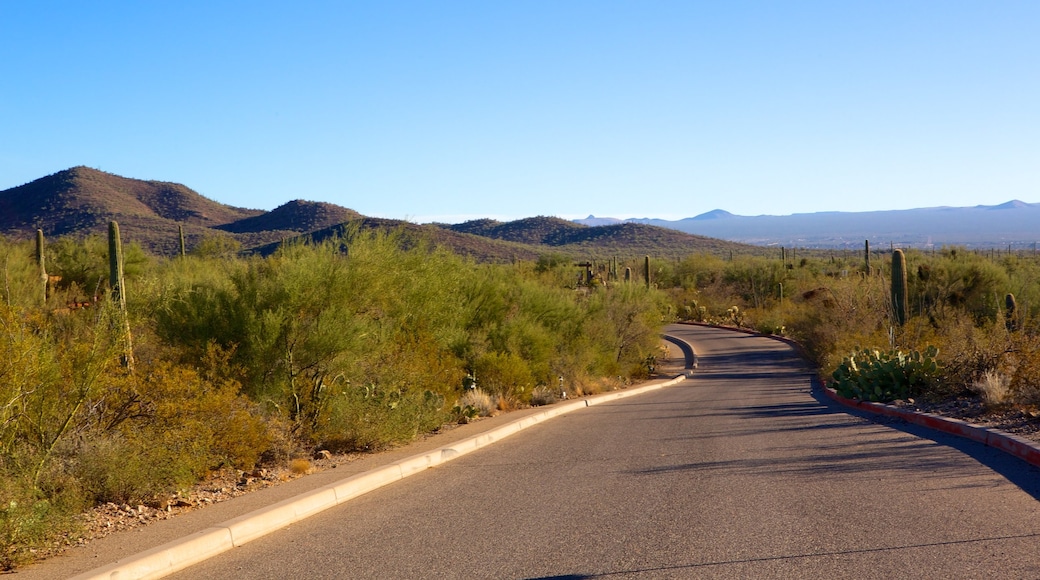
(738,473)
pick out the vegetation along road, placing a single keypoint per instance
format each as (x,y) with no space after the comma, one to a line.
(741,472)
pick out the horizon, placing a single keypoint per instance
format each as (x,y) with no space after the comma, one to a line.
(453,219)
(534,108)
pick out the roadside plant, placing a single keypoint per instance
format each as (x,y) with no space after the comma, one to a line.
(872,375)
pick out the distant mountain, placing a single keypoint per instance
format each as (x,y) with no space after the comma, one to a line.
(715,214)
(1014,222)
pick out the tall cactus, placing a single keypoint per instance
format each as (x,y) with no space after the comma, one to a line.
(180,235)
(118,289)
(866,256)
(646,270)
(628,274)
(40,265)
(899,294)
(1010,313)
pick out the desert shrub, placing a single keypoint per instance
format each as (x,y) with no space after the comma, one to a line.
(993,388)
(83,263)
(543,395)
(216,246)
(477,403)
(19,279)
(29,519)
(167,428)
(505,375)
(372,417)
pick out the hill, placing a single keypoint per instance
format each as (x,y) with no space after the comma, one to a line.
(296,216)
(578,240)
(81,201)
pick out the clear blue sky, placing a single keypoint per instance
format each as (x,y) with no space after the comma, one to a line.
(450,110)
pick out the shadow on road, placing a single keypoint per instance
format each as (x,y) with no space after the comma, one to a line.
(1023,475)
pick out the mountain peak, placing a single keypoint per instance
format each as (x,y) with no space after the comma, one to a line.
(1013,204)
(714,214)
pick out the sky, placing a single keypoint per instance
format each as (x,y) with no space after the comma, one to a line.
(453,110)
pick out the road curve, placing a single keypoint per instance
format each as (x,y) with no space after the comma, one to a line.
(739,472)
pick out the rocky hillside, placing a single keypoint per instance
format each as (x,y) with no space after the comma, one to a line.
(81,201)
(296,216)
(624,239)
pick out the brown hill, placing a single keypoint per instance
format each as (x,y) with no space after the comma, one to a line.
(579,241)
(296,216)
(69,200)
(540,230)
(81,200)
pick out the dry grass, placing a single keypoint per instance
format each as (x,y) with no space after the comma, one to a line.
(300,466)
(994,388)
(479,400)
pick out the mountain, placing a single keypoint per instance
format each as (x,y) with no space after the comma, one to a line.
(1014,223)
(715,214)
(81,201)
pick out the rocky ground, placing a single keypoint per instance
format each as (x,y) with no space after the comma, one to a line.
(1024,423)
(220,486)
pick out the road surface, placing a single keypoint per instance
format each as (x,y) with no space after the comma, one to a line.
(740,472)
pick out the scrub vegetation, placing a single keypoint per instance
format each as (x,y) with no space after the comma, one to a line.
(358,342)
(948,323)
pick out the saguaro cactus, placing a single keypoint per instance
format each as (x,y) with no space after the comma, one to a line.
(180,235)
(899,294)
(866,256)
(118,289)
(40,265)
(1010,312)
(646,270)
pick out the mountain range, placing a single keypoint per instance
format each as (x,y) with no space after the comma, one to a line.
(81,201)
(1014,223)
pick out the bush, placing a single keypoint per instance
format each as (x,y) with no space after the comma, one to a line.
(993,388)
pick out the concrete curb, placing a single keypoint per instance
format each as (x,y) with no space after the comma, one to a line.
(184,552)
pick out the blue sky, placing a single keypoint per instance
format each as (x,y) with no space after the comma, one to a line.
(450,110)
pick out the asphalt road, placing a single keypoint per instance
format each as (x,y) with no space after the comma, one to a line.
(740,472)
